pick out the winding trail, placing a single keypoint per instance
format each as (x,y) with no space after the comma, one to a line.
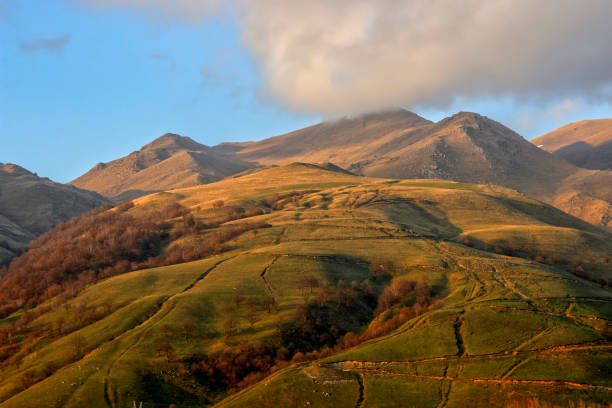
(514,366)
(445,388)
(163,308)
(487,380)
(504,282)
(591,345)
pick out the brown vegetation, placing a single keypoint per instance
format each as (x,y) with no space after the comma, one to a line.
(105,243)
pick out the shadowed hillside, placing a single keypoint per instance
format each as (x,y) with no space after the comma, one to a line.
(30,206)
(587,143)
(312,285)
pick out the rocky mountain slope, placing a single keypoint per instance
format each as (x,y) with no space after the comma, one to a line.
(466,147)
(170,161)
(31,205)
(586,143)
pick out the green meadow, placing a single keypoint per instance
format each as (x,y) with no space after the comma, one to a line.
(509,318)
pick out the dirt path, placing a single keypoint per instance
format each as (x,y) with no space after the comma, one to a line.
(487,380)
(592,345)
(445,389)
(502,280)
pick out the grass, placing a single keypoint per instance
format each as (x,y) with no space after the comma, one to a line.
(313,386)
(341,228)
(382,391)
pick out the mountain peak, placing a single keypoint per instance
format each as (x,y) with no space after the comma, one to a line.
(15,169)
(471,120)
(467,117)
(173,141)
(395,114)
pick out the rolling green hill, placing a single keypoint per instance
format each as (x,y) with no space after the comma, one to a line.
(330,289)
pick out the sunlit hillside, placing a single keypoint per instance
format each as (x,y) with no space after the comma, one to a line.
(305,285)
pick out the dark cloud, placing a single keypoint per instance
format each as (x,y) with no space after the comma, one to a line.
(45,44)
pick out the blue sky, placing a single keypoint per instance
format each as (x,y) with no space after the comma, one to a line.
(81,85)
(119,82)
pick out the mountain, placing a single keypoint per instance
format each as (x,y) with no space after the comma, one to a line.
(304,285)
(170,161)
(466,147)
(399,144)
(586,143)
(30,206)
(347,142)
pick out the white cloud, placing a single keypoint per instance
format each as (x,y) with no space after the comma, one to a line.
(561,110)
(338,56)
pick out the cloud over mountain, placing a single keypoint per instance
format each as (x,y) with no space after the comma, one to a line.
(330,56)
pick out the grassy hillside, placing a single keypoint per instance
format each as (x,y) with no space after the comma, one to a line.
(350,291)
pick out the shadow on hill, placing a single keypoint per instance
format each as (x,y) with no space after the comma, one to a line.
(132,194)
(546,214)
(576,147)
(158,393)
(587,156)
(409,214)
(344,268)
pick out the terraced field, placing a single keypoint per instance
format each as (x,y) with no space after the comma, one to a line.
(508,319)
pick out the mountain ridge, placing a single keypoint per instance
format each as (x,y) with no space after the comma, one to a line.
(31,205)
(465,147)
(170,161)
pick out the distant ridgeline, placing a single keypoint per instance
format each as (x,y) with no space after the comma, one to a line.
(466,147)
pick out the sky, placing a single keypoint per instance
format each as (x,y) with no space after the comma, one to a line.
(88,81)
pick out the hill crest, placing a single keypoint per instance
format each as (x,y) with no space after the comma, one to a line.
(170,161)
(465,147)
